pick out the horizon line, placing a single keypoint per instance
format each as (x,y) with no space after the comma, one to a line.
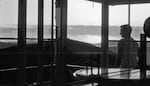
(67,25)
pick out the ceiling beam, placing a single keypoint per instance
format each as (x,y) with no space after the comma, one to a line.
(121,2)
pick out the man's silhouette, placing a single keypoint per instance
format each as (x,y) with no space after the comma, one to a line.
(127,49)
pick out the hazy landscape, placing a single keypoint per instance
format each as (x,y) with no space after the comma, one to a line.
(88,34)
(77,32)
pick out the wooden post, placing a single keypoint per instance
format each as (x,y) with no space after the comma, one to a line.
(104,32)
(61,24)
(129,13)
(21,74)
(142,59)
(40,42)
(52,43)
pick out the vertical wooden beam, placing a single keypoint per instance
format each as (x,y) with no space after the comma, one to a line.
(129,13)
(104,33)
(40,42)
(21,74)
(52,22)
(61,24)
(142,59)
(52,42)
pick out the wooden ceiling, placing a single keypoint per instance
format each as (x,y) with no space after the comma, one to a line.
(120,2)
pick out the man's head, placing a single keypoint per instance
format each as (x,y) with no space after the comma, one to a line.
(125,30)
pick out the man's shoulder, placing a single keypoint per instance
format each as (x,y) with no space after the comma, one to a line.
(122,40)
(131,39)
(125,40)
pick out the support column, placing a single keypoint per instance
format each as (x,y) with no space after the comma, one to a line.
(52,51)
(61,26)
(142,59)
(21,72)
(40,42)
(104,35)
(129,13)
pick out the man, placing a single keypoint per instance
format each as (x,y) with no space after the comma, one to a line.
(127,49)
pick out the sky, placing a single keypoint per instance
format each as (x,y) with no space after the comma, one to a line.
(80,12)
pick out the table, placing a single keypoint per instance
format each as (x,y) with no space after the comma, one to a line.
(116,76)
(113,73)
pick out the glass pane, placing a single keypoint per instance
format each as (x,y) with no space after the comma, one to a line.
(117,17)
(8,20)
(84,20)
(32,20)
